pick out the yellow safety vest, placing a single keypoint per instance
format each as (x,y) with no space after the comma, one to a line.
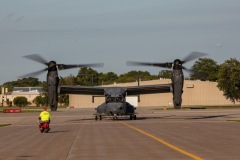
(45,116)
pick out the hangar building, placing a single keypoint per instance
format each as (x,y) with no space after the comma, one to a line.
(195,93)
(29,92)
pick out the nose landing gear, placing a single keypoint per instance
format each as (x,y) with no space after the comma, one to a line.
(134,116)
(98,117)
(115,117)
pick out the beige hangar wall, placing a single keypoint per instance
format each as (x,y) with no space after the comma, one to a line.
(194,93)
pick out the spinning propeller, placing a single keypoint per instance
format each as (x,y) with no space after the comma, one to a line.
(176,64)
(53,66)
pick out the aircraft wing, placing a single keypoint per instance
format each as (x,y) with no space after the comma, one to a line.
(130,90)
(149,89)
(87,90)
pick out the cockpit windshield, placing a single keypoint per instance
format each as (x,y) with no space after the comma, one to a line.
(115,99)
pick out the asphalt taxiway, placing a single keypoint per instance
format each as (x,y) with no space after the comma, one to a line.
(156,134)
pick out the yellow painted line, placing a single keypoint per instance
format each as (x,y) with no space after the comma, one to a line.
(164,142)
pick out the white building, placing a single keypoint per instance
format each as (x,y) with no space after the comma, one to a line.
(29,92)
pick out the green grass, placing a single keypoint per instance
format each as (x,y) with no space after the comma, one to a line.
(233,120)
(3,125)
(213,107)
(28,108)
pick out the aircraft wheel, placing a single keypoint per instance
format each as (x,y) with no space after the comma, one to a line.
(135,117)
(100,117)
(177,105)
(131,117)
(96,117)
(54,107)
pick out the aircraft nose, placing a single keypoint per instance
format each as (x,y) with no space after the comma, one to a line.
(115,108)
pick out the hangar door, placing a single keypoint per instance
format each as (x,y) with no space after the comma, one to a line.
(133,100)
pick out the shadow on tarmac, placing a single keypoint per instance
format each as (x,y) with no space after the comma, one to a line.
(58,131)
(170,117)
(213,116)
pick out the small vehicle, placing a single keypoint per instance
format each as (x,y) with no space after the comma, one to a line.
(44,127)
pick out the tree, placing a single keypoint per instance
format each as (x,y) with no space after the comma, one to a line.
(205,69)
(9,103)
(229,79)
(69,80)
(20,101)
(107,78)
(87,77)
(167,74)
(25,82)
(63,99)
(132,76)
(40,101)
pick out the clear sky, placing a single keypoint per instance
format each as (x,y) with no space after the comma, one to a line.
(114,31)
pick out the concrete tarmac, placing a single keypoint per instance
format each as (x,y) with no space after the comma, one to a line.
(156,134)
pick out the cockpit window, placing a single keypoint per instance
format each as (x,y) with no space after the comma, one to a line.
(115,99)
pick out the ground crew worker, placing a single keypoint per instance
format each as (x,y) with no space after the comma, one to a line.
(44,116)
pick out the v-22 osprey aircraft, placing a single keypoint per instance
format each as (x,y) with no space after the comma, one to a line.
(115,97)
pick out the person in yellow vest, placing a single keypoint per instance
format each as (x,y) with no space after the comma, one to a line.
(44,116)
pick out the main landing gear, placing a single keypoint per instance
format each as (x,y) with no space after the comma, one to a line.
(115,118)
(98,117)
(134,116)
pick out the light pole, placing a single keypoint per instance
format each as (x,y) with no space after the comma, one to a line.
(138,81)
(3,94)
(2,100)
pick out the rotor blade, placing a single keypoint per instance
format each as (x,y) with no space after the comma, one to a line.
(69,66)
(193,55)
(195,73)
(37,58)
(33,74)
(164,65)
(188,70)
